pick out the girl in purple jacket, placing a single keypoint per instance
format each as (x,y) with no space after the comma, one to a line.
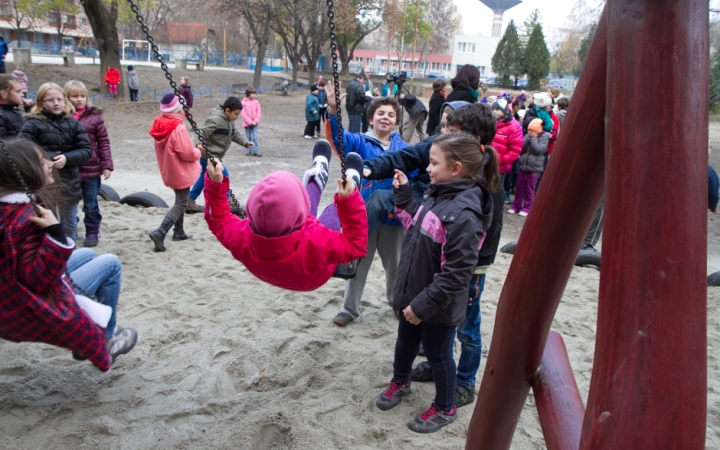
(99,164)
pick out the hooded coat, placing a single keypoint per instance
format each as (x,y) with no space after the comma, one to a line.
(133,80)
(32,272)
(60,134)
(440,250)
(251,111)
(434,112)
(112,76)
(22,79)
(532,158)
(11,120)
(176,155)
(508,143)
(219,132)
(186,92)
(413,106)
(305,258)
(101,159)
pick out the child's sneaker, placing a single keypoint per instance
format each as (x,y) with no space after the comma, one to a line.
(392,395)
(464,395)
(432,420)
(122,342)
(354,168)
(318,171)
(511,211)
(522,214)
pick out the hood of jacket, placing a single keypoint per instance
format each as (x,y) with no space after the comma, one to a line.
(277,205)
(164,125)
(468,194)
(217,115)
(91,110)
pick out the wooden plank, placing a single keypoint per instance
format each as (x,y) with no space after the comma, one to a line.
(648,388)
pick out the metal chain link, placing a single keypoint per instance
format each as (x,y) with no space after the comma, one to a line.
(141,20)
(336,84)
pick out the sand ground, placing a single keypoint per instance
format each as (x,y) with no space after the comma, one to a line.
(226,361)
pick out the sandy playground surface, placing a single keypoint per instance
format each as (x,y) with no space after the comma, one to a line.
(226,361)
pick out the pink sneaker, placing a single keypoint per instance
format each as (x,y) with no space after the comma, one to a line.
(432,420)
(392,395)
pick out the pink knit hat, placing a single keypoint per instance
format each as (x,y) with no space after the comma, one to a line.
(170,103)
(278,204)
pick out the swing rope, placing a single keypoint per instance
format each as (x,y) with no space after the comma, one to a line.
(336,85)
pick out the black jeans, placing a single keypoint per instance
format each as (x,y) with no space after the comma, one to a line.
(437,342)
(133,95)
(311,126)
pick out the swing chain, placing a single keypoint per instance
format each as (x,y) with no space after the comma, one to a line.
(336,84)
(151,40)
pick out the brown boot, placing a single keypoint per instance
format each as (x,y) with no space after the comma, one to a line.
(193,207)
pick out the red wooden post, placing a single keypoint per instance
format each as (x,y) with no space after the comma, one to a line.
(648,386)
(557,397)
(566,202)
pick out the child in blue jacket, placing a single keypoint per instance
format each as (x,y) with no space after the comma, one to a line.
(312,112)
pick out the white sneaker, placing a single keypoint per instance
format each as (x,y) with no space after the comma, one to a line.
(522,213)
(307,137)
(511,211)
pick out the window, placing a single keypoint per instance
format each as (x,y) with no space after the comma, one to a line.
(446,67)
(54,18)
(435,66)
(482,70)
(466,47)
(69,20)
(83,22)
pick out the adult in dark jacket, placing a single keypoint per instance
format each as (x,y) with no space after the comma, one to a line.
(465,85)
(416,116)
(355,102)
(434,112)
(52,127)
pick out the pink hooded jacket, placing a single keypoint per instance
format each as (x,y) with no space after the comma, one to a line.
(508,143)
(279,242)
(176,154)
(250,112)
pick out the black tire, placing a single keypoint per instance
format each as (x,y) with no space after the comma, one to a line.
(144,199)
(108,194)
(509,248)
(588,258)
(714,279)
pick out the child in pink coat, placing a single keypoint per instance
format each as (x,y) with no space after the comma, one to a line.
(178,160)
(251,118)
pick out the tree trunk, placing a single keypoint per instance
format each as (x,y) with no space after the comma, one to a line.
(262,48)
(104,27)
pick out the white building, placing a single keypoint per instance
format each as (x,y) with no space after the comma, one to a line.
(475,50)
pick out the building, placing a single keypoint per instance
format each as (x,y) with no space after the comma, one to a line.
(45,33)
(377,60)
(475,50)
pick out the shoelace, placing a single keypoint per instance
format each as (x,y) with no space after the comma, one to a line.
(431,412)
(392,389)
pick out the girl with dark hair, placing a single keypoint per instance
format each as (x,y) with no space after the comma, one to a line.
(465,85)
(39,271)
(439,257)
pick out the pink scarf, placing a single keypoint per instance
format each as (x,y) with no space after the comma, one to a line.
(79,113)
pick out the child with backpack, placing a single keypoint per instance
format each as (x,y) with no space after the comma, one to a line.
(251,114)
(99,164)
(439,256)
(44,281)
(53,127)
(531,164)
(281,242)
(177,158)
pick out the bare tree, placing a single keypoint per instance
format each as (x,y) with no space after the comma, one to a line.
(103,21)
(61,14)
(23,15)
(445,20)
(354,20)
(288,26)
(314,34)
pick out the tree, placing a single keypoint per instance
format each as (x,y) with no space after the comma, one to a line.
(403,38)
(59,10)
(103,21)
(24,15)
(314,34)
(445,21)
(355,19)
(507,59)
(585,46)
(537,58)
(289,27)
(533,19)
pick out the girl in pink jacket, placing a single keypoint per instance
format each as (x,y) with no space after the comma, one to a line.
(508,141)
(251,118)
(178,160)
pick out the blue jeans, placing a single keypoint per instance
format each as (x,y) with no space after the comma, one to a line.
(69,221)
(99,276)
(91,208)
(200,183)
(469,336)
(378,206)
(251,134)
(355,125)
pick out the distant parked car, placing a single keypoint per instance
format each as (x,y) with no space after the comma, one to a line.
(493,80)
(556,83)
(435,75)
(522,82)
(381,72)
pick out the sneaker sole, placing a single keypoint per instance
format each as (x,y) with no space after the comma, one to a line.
(128,348)
(427,430)
(341,323)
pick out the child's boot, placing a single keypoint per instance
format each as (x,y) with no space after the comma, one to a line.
(158,236)
(179,232)
(193,207)
(319,172)
(354,168)
(92,234)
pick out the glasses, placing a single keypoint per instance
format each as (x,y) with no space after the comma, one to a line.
(54,100)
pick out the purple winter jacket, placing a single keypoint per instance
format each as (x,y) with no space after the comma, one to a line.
(101,159)
(186,92)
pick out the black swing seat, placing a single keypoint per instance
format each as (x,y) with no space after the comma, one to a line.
(347,271)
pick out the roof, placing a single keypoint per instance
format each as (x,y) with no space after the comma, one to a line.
(185,31)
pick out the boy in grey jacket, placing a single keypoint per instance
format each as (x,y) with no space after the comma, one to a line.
(530,164)
(133,81)
(219,132)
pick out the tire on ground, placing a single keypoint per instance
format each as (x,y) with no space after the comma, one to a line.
(714,279)
(509,248)
(144,199)
(588,258)
(108,194)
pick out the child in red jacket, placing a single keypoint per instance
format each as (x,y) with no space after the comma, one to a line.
(112,79)
(281,242)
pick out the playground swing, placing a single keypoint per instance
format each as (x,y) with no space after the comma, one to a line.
(344,271)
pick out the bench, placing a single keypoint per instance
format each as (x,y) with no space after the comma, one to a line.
(205,92)
(239,88)
(182,64)
(102,98)
(224,90)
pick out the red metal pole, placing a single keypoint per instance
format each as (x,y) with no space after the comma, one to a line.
(649,386)
(558,400)
(566,202)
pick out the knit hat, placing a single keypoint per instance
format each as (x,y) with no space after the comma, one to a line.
(536,125)
(313,87)
(170,103)
(130,68)
(278,204)
(500,104)
(542,99)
